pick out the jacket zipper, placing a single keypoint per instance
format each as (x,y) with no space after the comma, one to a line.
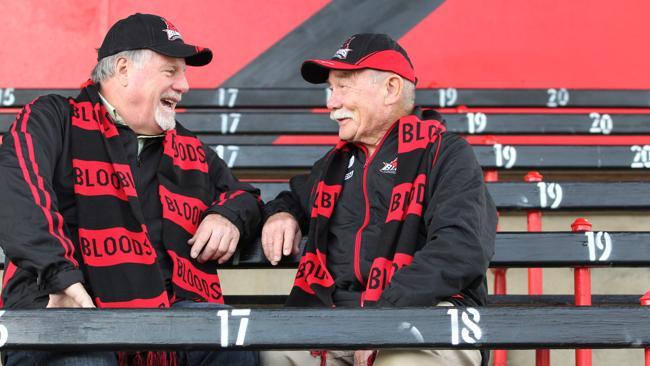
(366,219)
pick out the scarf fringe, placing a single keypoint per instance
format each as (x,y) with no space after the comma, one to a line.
(150,359)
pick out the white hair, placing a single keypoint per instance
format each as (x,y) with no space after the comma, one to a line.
(105,67)
(408,95)
(407,99)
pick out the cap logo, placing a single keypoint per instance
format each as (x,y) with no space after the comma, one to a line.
(342,53)
(172,33)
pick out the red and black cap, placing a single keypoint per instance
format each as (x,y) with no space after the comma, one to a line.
(362,51)
(148,31)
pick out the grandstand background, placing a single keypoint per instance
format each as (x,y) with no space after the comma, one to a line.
(456,43)
(509,44)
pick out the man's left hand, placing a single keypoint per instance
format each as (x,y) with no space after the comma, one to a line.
(216,238)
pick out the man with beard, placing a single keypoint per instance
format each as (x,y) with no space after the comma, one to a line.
(107,202)
(396,214)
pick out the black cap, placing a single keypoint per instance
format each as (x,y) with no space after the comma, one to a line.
(153,32)
(362,51)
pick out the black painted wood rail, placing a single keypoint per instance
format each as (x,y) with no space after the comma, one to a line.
(504,328)
(497,156)
(479,121)
(274,301)
(443,97)
(525,249)
(542,195)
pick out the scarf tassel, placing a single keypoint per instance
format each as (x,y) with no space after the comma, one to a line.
(151,359)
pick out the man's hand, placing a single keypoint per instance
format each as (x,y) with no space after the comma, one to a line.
(280,236)
(363,357)
(216,238)
(74,296)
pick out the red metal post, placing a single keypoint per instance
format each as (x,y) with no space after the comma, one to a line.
(491,175)
(536,275)
(645,301)
(500,356)
(582,290)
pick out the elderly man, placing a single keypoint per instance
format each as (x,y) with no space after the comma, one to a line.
(108,202)
(396,214)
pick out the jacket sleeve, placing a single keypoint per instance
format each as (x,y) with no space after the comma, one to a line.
(32,232)
(237,201)
(460,222)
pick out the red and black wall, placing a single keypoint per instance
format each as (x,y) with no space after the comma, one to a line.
(577,44)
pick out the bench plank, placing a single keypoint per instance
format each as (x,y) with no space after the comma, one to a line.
(490,140)
(523,250)
(315,97)
(511,327)
(522,196)
(226,122)
(490,157)
(493,300)
(560,300)
(274,122)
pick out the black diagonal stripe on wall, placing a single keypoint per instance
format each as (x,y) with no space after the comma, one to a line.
(321,35)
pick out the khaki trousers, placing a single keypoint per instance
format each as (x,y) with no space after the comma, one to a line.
(384,358)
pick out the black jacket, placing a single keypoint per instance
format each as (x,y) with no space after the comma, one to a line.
(37,205)
(456,243)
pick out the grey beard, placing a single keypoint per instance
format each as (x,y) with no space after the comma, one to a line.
(166,121)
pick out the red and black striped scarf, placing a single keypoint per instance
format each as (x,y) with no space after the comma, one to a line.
(313,285)
(119,260)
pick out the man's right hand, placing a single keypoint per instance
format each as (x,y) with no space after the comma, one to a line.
(280,236)
(74,296)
